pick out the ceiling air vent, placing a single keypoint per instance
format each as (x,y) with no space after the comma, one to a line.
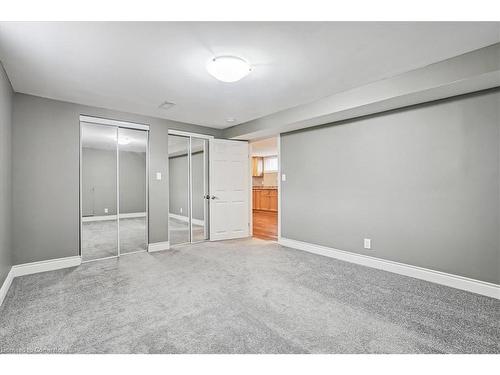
(166,105)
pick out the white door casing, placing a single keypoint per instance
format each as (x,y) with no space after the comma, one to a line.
(229,189)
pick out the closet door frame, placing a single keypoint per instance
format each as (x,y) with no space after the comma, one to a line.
(117,124)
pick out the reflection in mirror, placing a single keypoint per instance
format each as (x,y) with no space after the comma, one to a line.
(178,218)
(132,147)
(199,179)
(99,232)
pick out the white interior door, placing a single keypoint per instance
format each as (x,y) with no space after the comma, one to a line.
(229,189)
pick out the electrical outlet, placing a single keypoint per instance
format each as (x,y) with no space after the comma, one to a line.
(105,210)
(283,177)
(180,210)
(368,243)
(158,176)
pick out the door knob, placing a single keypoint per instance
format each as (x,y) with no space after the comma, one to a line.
(206,196)
(212,197)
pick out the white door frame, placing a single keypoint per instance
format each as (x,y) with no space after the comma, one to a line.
(250,190)
(278,143)
(250,211)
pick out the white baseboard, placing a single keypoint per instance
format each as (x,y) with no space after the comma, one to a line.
(36,267)
(113,217)
(46,265)
(5,286)
(186,219)
(158,246)
(454,281)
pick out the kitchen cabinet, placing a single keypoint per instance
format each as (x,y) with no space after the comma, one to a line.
(257,166)
(265,199)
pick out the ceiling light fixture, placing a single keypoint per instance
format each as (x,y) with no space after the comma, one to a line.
(228,68)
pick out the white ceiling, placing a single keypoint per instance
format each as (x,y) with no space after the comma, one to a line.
(135,67)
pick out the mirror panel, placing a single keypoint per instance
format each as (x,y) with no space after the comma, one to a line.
(99,230)
(199,181)
(178,163)
(132,152)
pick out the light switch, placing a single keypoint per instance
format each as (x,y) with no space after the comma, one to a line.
(158,176)
(283,177)
(367,243)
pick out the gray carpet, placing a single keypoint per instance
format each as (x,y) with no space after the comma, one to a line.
(242,296)
(99,238)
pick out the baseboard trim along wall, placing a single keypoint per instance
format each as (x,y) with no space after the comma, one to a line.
(37,267)
(46,265)
(5,286)
(158,246)
(186,219)
(113,217)
(454,281)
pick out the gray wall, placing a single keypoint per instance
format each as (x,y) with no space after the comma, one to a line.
(421,182)
(178,174)
(46,177)
(99,182)
(6,95)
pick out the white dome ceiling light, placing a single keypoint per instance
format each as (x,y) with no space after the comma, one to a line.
(228,68)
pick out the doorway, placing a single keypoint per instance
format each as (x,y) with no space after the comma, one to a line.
(265,188)
(188,188)
(113,188)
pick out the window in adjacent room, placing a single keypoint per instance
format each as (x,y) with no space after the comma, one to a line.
(270,164)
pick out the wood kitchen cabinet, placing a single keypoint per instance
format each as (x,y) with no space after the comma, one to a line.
(265,199)
(257,166)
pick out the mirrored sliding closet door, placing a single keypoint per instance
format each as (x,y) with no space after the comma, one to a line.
(188,189)
(199,187)
(113,190)
(132,187)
